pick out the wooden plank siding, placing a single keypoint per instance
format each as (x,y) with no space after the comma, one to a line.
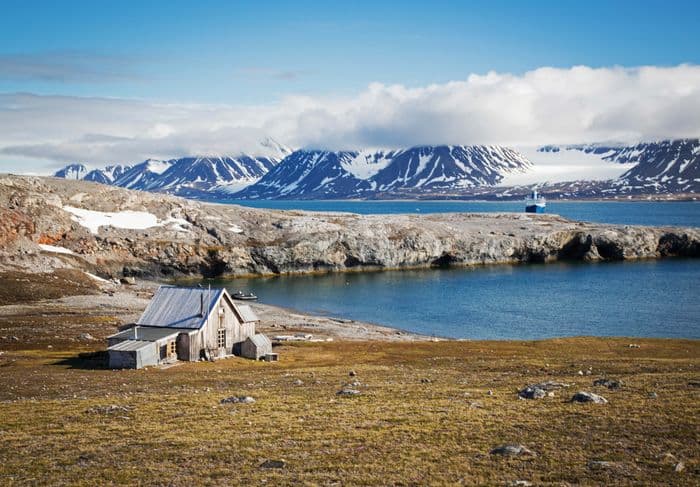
(223,314)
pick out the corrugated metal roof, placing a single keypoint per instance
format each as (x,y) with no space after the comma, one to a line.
(246,313)
(260,340)
(130,346)
(179,307)
(145,333)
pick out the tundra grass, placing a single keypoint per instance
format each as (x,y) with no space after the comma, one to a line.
(428,413)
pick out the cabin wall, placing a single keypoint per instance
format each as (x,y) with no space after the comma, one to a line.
(223,315)
(147,357)
(122,359)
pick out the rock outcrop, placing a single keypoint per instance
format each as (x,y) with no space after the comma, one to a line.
(144,234)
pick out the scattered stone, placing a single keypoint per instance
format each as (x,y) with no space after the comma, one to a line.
(355,383)
(352,373)
(609,383)
(425,381)
(128,280)
(238,400)
(538,391)
(582,396)
(605,465)
(532,392)
(490,392)
(652,395)
(348,392)
(14,338)
(476,405)
(111,409)
(519,483)
(273,464)
(83,460)
(668,457)
(512,450)
(298,382)
(633,345)
(86,336)
(580,372)
(680,466)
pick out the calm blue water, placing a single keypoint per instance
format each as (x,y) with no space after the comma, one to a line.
(674,213)
(652,298)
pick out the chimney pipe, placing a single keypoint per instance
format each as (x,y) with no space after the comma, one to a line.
(201,304)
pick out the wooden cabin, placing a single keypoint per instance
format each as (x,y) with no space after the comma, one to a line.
(183,323)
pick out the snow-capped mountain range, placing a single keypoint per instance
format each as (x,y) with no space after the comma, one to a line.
(187,176)
(670,166)
(357,174)
(666,166)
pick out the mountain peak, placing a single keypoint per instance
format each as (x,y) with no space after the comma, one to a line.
(72,171)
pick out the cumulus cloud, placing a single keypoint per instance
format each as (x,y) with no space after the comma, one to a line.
(546,105)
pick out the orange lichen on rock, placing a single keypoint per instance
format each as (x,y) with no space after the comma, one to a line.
(13,225)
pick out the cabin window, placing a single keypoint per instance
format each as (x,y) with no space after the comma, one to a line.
(222,338)
(171,348)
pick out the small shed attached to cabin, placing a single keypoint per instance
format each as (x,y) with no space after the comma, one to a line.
(127,349)
(256,347)
(132,354)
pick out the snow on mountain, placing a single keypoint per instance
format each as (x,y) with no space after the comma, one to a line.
(670,165)
(107,175)
(205,173)
(72,171)
(190,176)
(349,174)
(554,164)
(143,176)
(665,166)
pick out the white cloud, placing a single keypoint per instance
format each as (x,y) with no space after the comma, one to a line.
(546,105)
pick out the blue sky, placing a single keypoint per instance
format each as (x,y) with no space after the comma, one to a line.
(117,82)
(241,52)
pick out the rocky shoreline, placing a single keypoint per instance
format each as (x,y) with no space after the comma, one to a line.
(50,223)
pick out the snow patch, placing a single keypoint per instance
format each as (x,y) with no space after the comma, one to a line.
(158,167)
(177,224)
(366,164)
(96,278)
(55,249)
(132,220)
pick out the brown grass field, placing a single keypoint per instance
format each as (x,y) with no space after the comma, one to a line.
(424,417)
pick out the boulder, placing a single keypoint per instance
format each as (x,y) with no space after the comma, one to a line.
(540,390)
(609,383)
(583,396)
(532,392)
(273,464)
(348,392)
(238,400)
(512,450)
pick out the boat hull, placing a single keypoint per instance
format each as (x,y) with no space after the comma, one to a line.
(534,209)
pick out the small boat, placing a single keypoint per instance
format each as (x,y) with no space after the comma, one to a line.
(244,296)
(535,203)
